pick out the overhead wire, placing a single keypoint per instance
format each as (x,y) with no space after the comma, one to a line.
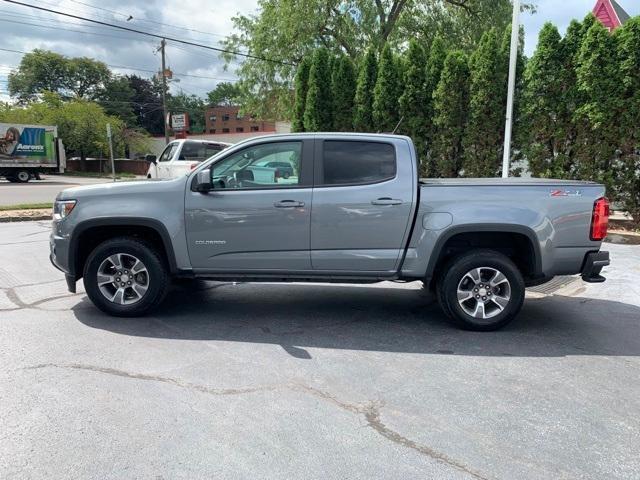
(142,32)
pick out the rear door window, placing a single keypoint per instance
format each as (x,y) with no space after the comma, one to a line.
(198,151)
(357,162)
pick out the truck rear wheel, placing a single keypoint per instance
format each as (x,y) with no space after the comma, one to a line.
(481,290)
(125,277)
(22,176)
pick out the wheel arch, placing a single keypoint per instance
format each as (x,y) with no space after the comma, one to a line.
(89,233)
(517,241)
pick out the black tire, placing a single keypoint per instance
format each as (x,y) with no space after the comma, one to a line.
(487,261)
(22,176)
(158,276)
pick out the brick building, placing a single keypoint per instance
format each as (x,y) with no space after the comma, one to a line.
(227,119)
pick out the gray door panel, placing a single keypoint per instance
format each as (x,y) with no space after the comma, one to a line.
(255,219)
(350,232)
(244,230)
(363,228)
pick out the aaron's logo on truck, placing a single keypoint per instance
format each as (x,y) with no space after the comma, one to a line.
(16,142)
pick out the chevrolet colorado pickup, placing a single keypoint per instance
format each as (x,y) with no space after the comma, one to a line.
(351,209)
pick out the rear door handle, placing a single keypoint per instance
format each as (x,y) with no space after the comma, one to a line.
(288,204)
(386,201)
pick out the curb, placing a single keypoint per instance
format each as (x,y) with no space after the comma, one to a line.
(22,218)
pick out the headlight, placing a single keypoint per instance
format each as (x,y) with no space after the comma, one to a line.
(62,208)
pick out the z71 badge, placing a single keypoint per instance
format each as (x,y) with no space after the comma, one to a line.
(565,193)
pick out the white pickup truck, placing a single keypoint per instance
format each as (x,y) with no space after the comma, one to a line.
(181,157)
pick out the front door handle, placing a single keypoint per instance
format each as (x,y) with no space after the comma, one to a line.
(386,201)
(288,204)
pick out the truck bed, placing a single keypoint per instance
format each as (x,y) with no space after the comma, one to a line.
(511,181)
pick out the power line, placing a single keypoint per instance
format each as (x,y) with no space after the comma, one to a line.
(141,32)
(66,29)
(127,16)
(180,74)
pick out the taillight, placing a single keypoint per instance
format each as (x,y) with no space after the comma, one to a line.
(600,219)
(193,165)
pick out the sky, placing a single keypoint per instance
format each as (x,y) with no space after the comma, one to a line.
(197,70)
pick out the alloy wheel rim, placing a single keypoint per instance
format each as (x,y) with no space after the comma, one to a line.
(484,292)
(123,279)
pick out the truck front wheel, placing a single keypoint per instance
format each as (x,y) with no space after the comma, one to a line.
(125,277)
(481,290)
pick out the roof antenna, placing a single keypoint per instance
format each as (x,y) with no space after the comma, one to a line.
(398,125)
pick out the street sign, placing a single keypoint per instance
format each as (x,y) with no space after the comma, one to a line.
(180,121)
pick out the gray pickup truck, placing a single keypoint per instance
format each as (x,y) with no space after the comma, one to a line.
(351,209)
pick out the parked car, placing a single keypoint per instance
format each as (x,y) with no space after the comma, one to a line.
(356,212)
(182,156)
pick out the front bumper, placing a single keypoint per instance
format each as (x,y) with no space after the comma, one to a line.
(593,264)
(59,256)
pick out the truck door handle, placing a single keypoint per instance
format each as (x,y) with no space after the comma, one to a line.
(288,204)
(386,201)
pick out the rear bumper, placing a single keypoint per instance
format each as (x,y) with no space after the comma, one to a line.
(593,264)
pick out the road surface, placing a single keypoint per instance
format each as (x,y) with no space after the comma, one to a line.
(40,191)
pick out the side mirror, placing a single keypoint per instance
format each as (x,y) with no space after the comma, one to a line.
(150,158)
(203,181)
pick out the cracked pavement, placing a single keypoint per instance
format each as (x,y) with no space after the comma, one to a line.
(235,381)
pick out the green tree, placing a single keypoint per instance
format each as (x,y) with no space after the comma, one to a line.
(451,105)
(87,77)
(435,64)
(460,24)
(285,31)
(41,71)
(484,132)
(628,179)
(598,76)
(386,92)
(225,93)
(301,89)
(117,100)
(544,107)
(343,86)
(317,113)
(147,104)
(413,103)
(363,117)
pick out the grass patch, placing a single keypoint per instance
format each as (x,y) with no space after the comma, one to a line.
(26,206)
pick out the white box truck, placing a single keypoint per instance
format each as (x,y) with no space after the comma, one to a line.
(28,150)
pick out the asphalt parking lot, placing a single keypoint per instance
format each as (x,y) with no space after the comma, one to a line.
(314,381)
(41,191)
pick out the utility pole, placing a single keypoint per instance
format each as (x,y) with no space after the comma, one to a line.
(513,57)
(163,43)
